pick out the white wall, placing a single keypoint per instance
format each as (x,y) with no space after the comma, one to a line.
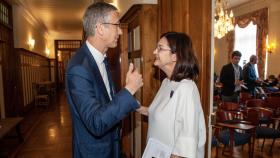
(220,54)
(124,5)
(25,27)
(274,34)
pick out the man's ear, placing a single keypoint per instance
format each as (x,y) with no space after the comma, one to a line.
(173,57)
(99,30)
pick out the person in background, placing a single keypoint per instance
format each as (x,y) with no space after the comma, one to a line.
(231,79)
(95,107)
(249,75)
(216,91)
(175,115)
(272,84)
(271,81)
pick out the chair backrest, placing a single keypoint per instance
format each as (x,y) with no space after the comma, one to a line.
(252,116)
(255,103)
(273,102)
(43,89)
(265,112)
(39,89)
(244,96)
(217,100)
(34,89)
(275,94)
(229,106)
(225,116)
(259,115)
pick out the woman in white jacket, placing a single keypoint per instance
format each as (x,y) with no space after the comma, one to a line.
(176,117)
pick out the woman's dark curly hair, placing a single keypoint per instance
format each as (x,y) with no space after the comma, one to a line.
(187,64)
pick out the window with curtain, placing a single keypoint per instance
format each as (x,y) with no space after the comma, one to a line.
(245,42)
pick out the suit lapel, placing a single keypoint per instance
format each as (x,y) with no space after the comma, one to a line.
(232,71)
(96,72)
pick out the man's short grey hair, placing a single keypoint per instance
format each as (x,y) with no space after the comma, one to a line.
(253,58)
(97,12)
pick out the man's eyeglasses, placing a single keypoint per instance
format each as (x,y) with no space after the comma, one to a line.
(116,24)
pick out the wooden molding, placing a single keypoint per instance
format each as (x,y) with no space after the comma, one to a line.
(28,52)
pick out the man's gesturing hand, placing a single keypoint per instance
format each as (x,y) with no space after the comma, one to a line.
(134,79)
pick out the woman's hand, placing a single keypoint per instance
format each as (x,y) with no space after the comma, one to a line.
(143,110)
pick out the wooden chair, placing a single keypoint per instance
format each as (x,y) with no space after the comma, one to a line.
(255,103)
(274,103)
(214,141)
(216,100)
(53,89)
(262,118)
(275,94)
(239,138)
(234,108)
(229,106)
(41,95)
(244,96)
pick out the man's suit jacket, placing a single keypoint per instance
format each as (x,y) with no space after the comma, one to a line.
(249,75)
(94,117)
(227,78)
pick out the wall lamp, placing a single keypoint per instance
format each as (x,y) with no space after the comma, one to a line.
(270,47)
(31,43)
(47,52)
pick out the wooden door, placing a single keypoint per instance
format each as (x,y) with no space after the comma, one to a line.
(2,99)
(63,51)
(8,62)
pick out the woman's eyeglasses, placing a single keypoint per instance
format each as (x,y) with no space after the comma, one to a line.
(160,49)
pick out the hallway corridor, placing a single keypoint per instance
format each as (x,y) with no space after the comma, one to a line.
(51,138)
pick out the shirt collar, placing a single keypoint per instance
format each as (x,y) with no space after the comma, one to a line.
(97,55)
(236,66)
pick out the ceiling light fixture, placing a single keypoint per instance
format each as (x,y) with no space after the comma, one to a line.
(224,21)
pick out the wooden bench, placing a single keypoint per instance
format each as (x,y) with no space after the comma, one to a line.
(8,124)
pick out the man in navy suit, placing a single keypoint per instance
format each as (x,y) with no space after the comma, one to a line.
(95,107)
(250,76)
(231,78)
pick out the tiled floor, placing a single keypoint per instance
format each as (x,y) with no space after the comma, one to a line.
(52,137)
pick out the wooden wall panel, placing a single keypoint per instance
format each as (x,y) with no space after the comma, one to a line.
(126,124)
(149,42)
(180,15)
(194,18)
(164,16)
(32,68)
(151,80)
(2,101)
(144,19)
